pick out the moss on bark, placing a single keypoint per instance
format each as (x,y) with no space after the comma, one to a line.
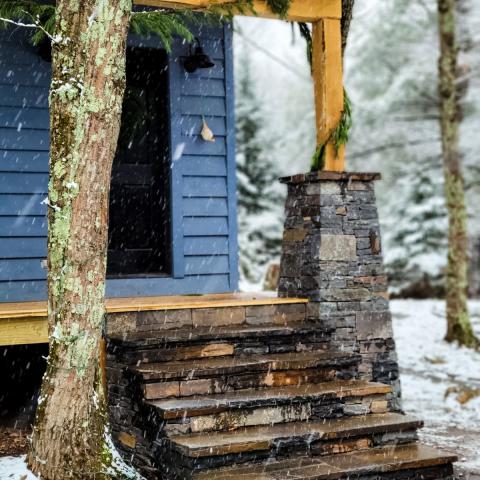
(88,79)
(459,326)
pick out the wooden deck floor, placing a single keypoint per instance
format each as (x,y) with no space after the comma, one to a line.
(25,322)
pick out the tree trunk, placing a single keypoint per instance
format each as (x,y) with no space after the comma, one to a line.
(347,14)
(459,326)
(88,81)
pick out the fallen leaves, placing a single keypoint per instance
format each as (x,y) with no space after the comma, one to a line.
(13,442)
(464,394)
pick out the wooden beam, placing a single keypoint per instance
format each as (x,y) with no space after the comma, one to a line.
(300,10)
(328,82)
(23,331)
(167,302)
(25,323)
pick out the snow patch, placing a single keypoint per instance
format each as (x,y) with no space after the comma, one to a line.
(429,368)
(15,468)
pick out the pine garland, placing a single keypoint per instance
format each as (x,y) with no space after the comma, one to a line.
(165,24)
(339,136)
(280,7)
(307,36)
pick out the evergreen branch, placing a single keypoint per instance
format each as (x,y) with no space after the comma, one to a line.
(307,36)
(226,11)
(26,25)
(280,7)
(165,24)
(339,136)
(18,12)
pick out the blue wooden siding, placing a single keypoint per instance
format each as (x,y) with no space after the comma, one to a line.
(202,173)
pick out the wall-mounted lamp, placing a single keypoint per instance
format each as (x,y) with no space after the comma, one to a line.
(197,58)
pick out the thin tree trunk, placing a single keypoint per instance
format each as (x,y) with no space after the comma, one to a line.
(88,81)
(459,325)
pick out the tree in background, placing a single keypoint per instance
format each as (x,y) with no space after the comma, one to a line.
(347,15)
(396,129)
(259,200)
(459,325)
(417,234)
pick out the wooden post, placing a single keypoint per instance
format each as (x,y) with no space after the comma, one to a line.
(103,366)
(328,82)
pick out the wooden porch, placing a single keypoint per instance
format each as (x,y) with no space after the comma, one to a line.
(25,323)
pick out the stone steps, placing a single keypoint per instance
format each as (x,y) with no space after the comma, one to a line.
(253,388)
(227,365)
(193,312)
(219,374)
(317,395)
(157,339)
(405,462)
(314,437)
(260,398)
(202,342)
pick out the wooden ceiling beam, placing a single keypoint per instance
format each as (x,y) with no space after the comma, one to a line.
(300,10)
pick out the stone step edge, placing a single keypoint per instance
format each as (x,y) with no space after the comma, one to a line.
(266,437)
(332,467)
(155,338)
(204,367)
(251,399)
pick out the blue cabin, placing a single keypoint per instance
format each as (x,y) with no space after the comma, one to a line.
(173,194)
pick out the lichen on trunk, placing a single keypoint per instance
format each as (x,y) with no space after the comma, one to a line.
(458,320)
(70,438)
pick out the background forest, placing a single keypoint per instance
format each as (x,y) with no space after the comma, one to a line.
(391,77)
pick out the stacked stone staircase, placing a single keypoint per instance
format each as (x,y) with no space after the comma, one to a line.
(254,393)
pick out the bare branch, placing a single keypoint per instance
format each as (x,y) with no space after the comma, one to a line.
(35,25)
(392,146)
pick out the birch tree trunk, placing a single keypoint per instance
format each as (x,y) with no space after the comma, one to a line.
(88,80)
(459,325)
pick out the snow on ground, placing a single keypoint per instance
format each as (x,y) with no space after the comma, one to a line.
(429,368)
(15,468)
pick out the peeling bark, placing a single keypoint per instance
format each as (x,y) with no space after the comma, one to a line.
(459,325)
(88,81)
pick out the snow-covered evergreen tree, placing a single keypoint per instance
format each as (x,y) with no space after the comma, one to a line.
(391,75)
(259,199)
(416,233)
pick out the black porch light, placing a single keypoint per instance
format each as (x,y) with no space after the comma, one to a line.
(197,58)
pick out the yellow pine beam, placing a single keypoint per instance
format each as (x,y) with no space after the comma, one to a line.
(300,10)
(23,331)
(328,83)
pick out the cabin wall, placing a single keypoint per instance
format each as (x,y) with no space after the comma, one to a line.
(24,145)
(203,184)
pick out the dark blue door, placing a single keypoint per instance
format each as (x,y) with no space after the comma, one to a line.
(139,214)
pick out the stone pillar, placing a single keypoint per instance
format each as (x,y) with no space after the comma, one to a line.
(332,256)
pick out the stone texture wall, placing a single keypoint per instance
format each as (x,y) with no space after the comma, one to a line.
(332,255)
